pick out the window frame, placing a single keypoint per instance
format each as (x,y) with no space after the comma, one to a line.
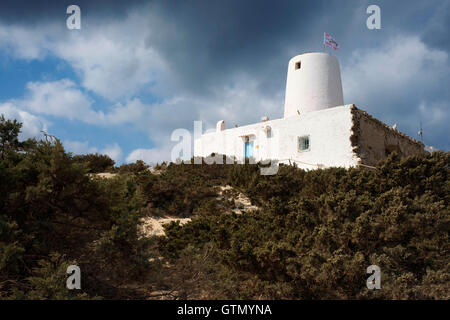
(299,144)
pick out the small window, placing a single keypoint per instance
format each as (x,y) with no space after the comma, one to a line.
(298,65)
(303,143)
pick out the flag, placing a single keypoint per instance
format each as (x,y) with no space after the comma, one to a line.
(329,41)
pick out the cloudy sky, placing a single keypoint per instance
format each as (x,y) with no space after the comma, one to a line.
(137,70)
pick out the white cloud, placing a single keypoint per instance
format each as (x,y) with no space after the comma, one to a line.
(403,64)
(434,113)
(64,99)
(82,147)
(118,58)
(59,98)
(391,81)
(149,156)
(111,64)
(31,124)
(132,111)
(79,147)
(26,42)
(112,59)
(113,151)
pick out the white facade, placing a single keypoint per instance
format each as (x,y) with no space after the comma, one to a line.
(329,132)
(313,83)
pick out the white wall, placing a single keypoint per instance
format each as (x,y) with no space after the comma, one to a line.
(314,86)
(329,131)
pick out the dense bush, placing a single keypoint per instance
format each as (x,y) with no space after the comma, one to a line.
(181,189)
(135,168)
(52,211)
(95,163)
(318,231)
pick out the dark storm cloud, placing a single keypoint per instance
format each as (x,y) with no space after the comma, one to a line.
(436,32)
(36,11)
(209,40)
(233,32)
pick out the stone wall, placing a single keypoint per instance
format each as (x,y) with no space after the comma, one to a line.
(372,140)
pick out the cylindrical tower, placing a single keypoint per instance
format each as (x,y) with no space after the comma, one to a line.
(313,83)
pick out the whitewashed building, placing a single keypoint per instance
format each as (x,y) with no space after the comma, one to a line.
(317,130)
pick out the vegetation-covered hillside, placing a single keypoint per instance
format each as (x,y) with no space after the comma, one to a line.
(313,236)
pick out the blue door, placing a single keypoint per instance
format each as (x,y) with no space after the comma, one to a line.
(249,149)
